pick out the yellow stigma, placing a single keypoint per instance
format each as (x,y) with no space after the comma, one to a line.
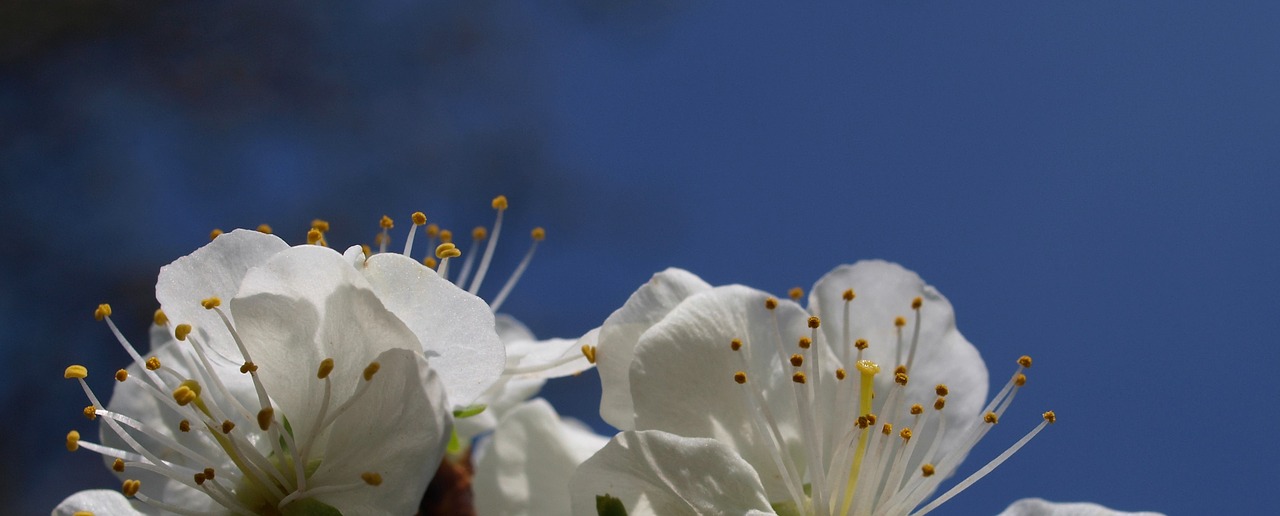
(1020,379)
(371,370)
(118,465)
(264,418)
(499,203)
(153,363)
(805,342)
(227,426)
(927,470)
(770,303)
(181,331)
(479,233)
(248,367)
(419,218)
(122,375)
(916,409)
(1024,361)
(814,321)
(941,389)
(160,318)
(735,344)
(215,234)
(130,487)
(73,440)
(538,234)
(848,294)
(446,236)
(264,228)
(589,351)
(430,262)
(184,425)
(433,230)
(867,368)
(75,371)
(326,367)
(916,303)
(102,312)
(91,412)
(899,321)
(320,225)
(797,360)
(798,378)
(740,377)
(860,343)
(840,374)
(991,417)
(386,222)
(314,236)
(1050,417)
(795,293)
(447,250)
(371,478)
(209,303)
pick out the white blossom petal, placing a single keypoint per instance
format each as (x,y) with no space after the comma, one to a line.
(655,472)
(621,331)
(97,501)
(1041,507)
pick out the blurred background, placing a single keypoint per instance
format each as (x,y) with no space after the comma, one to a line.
(1090,182)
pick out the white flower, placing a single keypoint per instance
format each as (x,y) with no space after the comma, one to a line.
(733,401)
(1039,507)
(524,467)
(307,389)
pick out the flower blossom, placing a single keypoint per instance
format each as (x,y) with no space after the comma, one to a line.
(1039,507)
(307,391)
(733,401)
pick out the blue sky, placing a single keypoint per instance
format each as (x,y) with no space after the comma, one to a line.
(1090,183)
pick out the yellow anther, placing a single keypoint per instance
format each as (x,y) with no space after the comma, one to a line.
(446,236)
(1020,379)
(130,487)
(386,222)
(814,321)
(927,470)
(248,367)
(371,370)
(184,425)
(917,409)
(215,234)
(209,303)
(122,375)
(379,238)
(991,417)
(118,465)
(82,513)
(740,377)
(589,351)
(840,374)
(905,434)
(264,228)
(265,416)
(867,367)
(433,230)
(863,422)
(199,478)
(939,403)
(848,294)
(771,303)
(91,412)
(419,218)
(538,234)
(797,360)
(860,343)
(371,478)
(805,342)
(871,418)
(899,321)
(1024,361)
(181,331)
(1050,417)
(499,203)
(887,429)
(102,312)
(73,440)
(798,378)
(320,225)
(447,250)
(326,367)
(735,344)
(901,369)
(314,236)
(160,318)
(75,371)
(227,426)
(430,262)
(153,363)
(184,395)
(941,389)
(916,303)
(900,378)
(366,250)
(479,233)
(795,293)
(208,473)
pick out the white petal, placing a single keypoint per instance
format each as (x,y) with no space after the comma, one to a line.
(456,328)
(1040,507)
(213,270)
(526,466)
(885,291)
(621,331)
(503,396)
(660,473)
(398,429)
(97,501)
(682,377)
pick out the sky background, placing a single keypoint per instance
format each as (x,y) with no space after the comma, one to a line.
(1091,183)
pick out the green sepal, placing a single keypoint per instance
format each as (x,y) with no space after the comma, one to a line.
(609,506)
(310,507)
(455,445)
(788,508)
(469,410)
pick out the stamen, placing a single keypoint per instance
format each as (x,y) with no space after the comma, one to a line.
(538,234)
(589,351)
(130,487)
(314,236)
(418,219)
(735,344)
(215,234)
(444,252)
(768,429)
(264,229)
(320,225)
(795,293)
(91,412)
(371,478)
(265,416)
(500,205)
(118,465)
(153,363)
(478,234)
(160,318)
(371,370)
(915,335)
(73,440)
(75,371)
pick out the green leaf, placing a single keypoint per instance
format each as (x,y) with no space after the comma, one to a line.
(469,410)
(310,507)
(609,506)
